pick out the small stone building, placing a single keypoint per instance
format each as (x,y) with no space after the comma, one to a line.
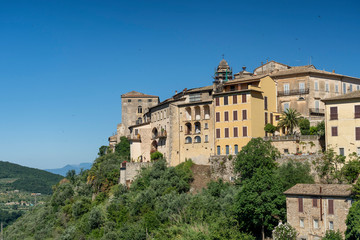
(312,209)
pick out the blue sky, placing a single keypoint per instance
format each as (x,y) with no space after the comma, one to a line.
(64,64)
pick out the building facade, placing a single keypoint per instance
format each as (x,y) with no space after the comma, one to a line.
(312,209)
(342,123)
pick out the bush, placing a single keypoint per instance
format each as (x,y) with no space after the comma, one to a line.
(284,232)
(269,128)
(156,156)
(332,235)
(304,125)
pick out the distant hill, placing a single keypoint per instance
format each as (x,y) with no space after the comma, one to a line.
(62,171)
(14,176)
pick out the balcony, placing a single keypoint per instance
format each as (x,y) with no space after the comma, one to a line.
(134,137)
(316,111)
(293,92)
(162,134)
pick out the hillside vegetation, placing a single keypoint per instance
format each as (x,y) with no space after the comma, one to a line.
(14,176)
(92,205)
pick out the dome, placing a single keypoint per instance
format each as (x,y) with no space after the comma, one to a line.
(223,63)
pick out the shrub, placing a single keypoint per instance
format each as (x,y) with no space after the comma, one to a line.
(284,232)
(156,156)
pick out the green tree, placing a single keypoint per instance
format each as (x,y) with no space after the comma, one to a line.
(103,150)
(123,148)
(156,156)
(353,222)
(313,130)
(260,203)
(333,235)
(304,125)
(290,120)
(256,154)
(350,171)
(328,167)
(269,128)
(321,128)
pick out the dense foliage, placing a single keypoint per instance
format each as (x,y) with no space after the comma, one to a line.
(27,179)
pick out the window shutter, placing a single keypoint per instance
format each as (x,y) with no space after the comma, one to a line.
(235,116)
(265,103)
(315,202)
(266,118)
(226,132)
(333,113)
(217,133)
(226,116)
(357,133)
(244,114)
(331,206)
(271,118)
(235,99)
(301,206)
(334,131)
(218,117)
(243,98)
(235,132)
(357,111)
(244,131)
(217,101)
(226,100)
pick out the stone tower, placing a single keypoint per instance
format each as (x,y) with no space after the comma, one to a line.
(223,74)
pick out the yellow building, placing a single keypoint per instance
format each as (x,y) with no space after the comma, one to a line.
(342,123)
(242,109)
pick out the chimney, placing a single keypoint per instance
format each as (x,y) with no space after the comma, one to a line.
(175,91)
(244,68)
(333,71)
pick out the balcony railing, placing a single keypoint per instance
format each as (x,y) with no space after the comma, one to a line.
(134,137)
(317,111)
(291,138)
(293,92)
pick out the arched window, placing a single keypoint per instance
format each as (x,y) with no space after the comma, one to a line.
(197,128)
(207,112)
(139,121)
(236,149)
(188,128)
(188,140)
(154,133)
(188,113)
(139,109)
(197,113)
(197,139)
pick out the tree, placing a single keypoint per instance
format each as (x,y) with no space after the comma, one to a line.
(102,150)
(353,222)
(350,171)
(332,235)
(123,148)
(256,154)
(328,167)
(156,156)
(290,119)
(321,128)
(284,232)
(304,125)
(269,128)
(260,203)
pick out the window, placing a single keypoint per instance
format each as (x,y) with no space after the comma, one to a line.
(195,97)
(244,114)
(226,100)
(286,106)
(302,87)
(265,103)
(341,151)
(217,117)
(344,88)
(226,116)
(235,115)
(206,138)
(350,88)
(244,131)
(286,150)
(197,139)
(315,202)
(188,140)
(316,223)
(232,88)
(136,131)
(277,117)
(334,131)
(336,88)
(271,118)
(358,151)
(236,132)
(149,100)
(139,109)
(129,100)
(218,150)
(139,121)
(301,205)
(235,99)
(357,133)
(236,149)
(317,106)
(197,127)
(206,125)
(357,111)
(316,86)
(139,100)
(266,118)
(227,149)
(331,225)
(333,113)
(217,101)
(207,112)
(217,133)
(331,206)
(226,132)
(286,89)
(243,98)
(301,222)
(327,87)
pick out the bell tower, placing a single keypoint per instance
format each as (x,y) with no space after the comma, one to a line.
(223,74)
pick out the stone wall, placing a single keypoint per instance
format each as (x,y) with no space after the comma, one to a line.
(130,170)
(222,168)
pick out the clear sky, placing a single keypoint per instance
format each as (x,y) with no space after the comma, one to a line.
(64,64)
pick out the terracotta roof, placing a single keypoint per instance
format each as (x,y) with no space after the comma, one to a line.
(330,190)
(134,94)
(272,61)
(351,95)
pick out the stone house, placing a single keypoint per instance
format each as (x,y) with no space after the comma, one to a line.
(312,209)
(342,123)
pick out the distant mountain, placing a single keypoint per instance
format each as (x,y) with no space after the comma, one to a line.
(62,171)
(17,177)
